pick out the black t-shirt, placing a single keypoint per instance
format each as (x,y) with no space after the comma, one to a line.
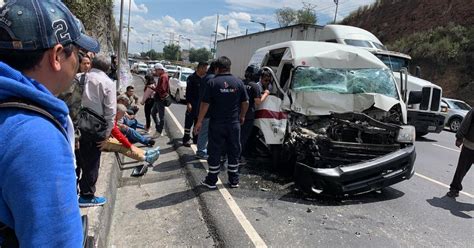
(224,93)
(253,91)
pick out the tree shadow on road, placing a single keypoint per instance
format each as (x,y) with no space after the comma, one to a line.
(167,200)
(455,207)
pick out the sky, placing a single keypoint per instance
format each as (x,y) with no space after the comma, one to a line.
(192,23)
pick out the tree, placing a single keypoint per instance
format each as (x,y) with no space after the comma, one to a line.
(199,55)
(152,54)
(171,52)
(307,15)
(286,16)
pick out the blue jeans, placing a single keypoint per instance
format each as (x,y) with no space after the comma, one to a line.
(202,138)
(133,123)
(133,136)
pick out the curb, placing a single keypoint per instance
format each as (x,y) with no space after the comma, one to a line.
(221,222)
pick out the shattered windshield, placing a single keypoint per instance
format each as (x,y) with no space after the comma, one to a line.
(345,81)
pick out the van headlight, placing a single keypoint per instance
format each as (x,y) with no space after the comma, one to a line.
(407,134)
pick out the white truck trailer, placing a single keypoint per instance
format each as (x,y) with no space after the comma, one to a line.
(425,116)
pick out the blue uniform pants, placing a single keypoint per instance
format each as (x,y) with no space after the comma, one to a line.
(224,138)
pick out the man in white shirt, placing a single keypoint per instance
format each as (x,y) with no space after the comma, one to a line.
(99,95)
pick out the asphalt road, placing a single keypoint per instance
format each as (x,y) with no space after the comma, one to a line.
(413,213)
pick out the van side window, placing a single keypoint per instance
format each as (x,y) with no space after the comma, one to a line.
(275,57)
(331,41)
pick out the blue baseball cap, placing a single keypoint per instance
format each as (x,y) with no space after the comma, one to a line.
(41,24)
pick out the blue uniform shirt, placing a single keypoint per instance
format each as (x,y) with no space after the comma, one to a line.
(224,93)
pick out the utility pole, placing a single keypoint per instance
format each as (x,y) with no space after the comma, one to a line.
(227,32)
(119,53)
(215,38)
(128,26)
(337,5)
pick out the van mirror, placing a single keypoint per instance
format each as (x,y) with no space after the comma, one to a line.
(404,83)
(415,97)
(418,71)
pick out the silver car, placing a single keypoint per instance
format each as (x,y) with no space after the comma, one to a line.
(455,111)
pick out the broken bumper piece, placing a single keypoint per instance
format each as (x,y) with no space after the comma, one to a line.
(360,177)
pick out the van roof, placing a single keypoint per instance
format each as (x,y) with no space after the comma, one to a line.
(327,55)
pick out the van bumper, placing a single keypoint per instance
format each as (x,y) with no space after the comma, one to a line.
(360,177)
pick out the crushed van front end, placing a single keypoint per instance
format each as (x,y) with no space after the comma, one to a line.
(349,153)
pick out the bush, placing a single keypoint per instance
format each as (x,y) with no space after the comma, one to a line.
(443,45)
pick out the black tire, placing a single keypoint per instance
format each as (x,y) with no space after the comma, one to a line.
(176,97)
(283,161)
(454,124)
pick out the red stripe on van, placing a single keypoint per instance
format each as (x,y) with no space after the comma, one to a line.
(268,114)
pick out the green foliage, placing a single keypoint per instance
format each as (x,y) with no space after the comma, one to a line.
(198,55)
(87,11)
(171,52)
(443,45)
(286,16)
(152,55)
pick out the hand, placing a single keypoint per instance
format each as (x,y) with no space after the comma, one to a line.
(242,120)
(189,108)
(458,142)
(197,127)
(266,92)
(102,144)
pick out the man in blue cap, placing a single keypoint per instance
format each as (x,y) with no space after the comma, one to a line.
(39,46)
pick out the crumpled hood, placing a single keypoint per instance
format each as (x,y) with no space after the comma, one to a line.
(14,85)
(323,103)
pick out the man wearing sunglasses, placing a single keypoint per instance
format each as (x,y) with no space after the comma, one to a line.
(39,45)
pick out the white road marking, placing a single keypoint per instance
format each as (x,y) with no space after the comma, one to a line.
(442,184)
(451,149)
(244,222)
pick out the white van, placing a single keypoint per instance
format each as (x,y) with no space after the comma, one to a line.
(335,115)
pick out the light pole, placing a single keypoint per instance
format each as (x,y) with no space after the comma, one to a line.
(119,56)
(261,23)
(179,40)
(335,14)
(151,40)
(189,46)
(141,42)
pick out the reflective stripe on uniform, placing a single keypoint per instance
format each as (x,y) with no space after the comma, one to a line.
(232,165)
(233,171)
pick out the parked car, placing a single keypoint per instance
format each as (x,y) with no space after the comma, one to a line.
(178,83)
(455,111)
(172,69)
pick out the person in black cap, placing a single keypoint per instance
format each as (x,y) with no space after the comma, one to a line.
(39,46)
(227,102)
(193,83)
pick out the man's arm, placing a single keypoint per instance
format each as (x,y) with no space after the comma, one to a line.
(244,106)
(464,128)
(202,113)
(109,104)
(189,93)
(41,196)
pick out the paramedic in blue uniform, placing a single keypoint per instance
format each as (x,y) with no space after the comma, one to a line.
(226,100)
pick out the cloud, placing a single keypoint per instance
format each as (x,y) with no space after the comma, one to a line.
(140,8)
(154,31)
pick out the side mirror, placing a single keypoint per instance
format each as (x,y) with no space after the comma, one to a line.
(403,83)
(418,72)
(415,97)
